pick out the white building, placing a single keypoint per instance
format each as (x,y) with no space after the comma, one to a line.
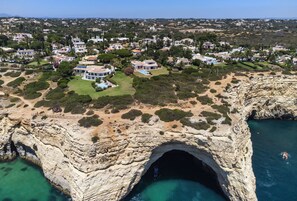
(145,65)
(114,46)
(93,72)
(79,46)
(26,54)
(205,59)
(97,39)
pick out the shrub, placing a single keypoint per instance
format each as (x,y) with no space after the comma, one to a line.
(63,83)
(78,109)
(129,71)
(14,99)
(210,116)
(13,73)
(204,100)
(31,89)
(115,102)
(184,95)
(55,94)
(196,125)
(145,118)
(88,122)
(2,70)
(218,83)
(17,82)
(90,112)
(29,72)
(1,82)
(213,91)
(132,114)
(168,115)
(95,139)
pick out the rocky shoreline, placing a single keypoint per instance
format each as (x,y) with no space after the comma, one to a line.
(109,168)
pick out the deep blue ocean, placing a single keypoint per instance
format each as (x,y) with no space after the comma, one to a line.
(276,178)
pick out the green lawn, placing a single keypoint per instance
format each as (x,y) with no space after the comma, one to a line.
(160,71)
(42,62)
(84,87)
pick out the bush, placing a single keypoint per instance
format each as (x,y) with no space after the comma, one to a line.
(95,139)
(63,83)
(31,89)
(1,82)
(88,122)
(29,72)
(115,102)
(210,116)
(17,82)
(213,91)
(168,115)
(90,112)
(129,71)
(145,118)
(196,125)
(13,74)
(55,94)
(132,114)
(78,109)
(204,100)
(218,83)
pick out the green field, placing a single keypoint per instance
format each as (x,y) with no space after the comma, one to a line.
(84,87)
(43,62)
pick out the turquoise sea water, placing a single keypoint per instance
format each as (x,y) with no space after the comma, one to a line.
(276,179)
(181,178)
(21,181)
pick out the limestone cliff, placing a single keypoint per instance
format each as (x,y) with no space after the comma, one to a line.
(109,168)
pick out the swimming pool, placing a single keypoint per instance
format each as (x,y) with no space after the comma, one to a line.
(144,72)
(102,85)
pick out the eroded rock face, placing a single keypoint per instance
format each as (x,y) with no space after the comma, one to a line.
(109,168)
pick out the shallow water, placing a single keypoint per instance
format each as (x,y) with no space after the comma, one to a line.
(276,179)
(21,181)
(180,179)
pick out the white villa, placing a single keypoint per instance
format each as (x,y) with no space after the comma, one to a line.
(145,65)
(114,46)
(96,40)
(79,46)
(26,54)
(93,72)
(58,49)
(205,59)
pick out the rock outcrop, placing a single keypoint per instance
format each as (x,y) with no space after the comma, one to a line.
(109,168)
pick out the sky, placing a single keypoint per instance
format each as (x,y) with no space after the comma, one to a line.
(151,8)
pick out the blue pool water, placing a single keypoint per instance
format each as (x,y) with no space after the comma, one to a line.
(276,179)
(144,72)
(102,85)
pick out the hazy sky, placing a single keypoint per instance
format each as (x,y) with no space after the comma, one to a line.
(151,8)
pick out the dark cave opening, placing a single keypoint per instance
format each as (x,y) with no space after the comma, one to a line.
(178,165)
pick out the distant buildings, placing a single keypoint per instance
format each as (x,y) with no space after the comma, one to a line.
(79,46)
(19,37)
(25,54)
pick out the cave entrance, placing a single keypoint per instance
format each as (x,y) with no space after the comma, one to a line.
(184,169)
